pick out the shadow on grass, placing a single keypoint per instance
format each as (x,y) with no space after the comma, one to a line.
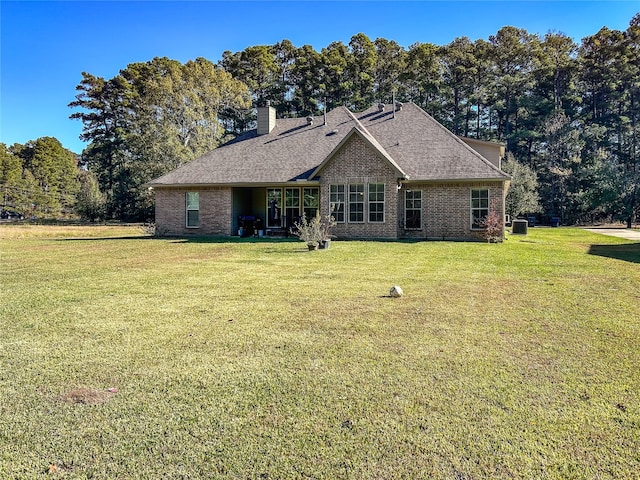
(102,239)
(199,239)
(629,252)
(228,239)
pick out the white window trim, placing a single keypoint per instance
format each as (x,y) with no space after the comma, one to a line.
(419,209)
(349,203)
(344,201)
(369,202)
(299,198)
(187,210)
(471,209)
(303,198)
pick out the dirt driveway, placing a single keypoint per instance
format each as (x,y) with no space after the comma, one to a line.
(617,232)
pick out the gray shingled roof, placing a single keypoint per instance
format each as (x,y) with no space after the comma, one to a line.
(413,142)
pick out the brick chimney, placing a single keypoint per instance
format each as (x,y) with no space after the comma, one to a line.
(266,118)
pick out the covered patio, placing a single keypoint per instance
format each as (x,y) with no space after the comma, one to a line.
(272,210)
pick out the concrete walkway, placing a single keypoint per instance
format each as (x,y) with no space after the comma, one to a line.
(617,232)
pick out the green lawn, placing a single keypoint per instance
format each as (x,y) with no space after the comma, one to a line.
(261,360)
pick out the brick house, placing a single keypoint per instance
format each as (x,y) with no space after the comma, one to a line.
(389,172)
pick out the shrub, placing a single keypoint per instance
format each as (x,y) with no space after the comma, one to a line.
(493,225)
(314,231)
(308,230)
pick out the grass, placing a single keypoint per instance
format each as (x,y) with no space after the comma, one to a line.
(124,356)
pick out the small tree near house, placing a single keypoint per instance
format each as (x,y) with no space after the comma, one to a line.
(493,224)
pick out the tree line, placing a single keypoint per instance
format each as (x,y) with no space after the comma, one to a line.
(568,113)
(38,179)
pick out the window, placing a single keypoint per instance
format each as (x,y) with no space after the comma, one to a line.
(413,209)
(356,202)
(376,202)
(336,202)
(291,206)
(193,209)
(274,206)
(479,207)
(311,201)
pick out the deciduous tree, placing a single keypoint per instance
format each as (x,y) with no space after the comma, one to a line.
(522,196)
(149,119)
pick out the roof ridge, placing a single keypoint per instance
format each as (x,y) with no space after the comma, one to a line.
(353,116)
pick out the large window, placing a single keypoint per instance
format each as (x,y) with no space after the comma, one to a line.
(413,209)
(356,202)
(274,207)
(479,207)
(376,202)
(192,200)
(311,201)
(336,202)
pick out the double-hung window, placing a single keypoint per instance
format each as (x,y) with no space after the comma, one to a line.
(479,207)
(310,201)
(192,200)
(292,206)
(413,209)
(336,202)
(376,202)
(356,202)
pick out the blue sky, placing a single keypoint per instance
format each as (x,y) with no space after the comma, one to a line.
(46,45)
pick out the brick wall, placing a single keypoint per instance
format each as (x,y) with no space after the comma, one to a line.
(445,206)
(446,209)
(215,211)
(357,162)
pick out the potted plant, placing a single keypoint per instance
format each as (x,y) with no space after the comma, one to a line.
(308,231)
(314,232)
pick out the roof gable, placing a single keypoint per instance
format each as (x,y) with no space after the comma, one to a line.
(369,140)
